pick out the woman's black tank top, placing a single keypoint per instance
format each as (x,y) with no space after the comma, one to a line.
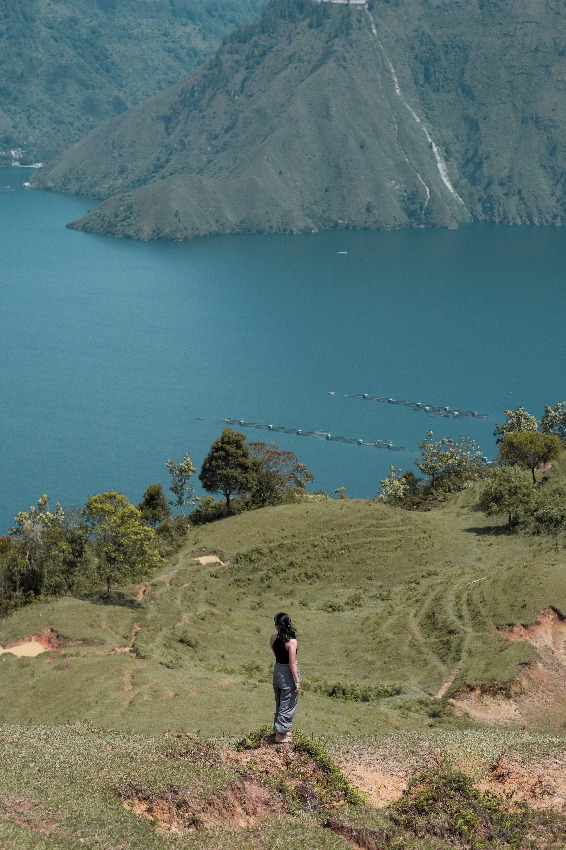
(281,653)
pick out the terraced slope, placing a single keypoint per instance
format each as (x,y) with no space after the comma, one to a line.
(395,610)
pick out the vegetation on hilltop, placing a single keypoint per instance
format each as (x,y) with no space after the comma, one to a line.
(319,116)
(68,66)
(109,540)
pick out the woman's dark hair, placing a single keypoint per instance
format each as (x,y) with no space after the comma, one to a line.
(285,630)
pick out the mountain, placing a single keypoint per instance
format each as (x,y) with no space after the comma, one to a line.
(321,115)
(68,65)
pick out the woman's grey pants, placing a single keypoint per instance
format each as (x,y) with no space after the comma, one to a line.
(286,698)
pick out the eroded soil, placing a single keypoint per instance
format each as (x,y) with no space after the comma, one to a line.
(538,696)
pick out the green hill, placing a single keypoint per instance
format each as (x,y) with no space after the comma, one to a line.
(323,115)
(66,66)
(391,605)
(123,734)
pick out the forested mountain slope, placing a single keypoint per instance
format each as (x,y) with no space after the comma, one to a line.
(68,65)
(319,115)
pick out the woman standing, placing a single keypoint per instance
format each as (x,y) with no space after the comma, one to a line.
(286,679)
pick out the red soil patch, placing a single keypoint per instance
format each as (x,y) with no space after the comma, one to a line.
(243,803)
(536,697)
(47,639)
(541,784)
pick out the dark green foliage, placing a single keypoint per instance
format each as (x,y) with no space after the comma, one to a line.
(67,67)
(351,691)
(445,803)
(528,449)
(509,492)
(209,509)
(44,555)
(155,505)
(228,467)
(550,515)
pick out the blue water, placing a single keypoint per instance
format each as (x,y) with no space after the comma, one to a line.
(116,355)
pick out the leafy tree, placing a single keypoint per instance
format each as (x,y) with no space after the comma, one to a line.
(228,467)
(155,505)
(393,489)
(277,474)
(554,420)
(449,458)
(550,516)
(509,492)
(12,567)
(52,546)
(517,420)
(528,449)
(181,487)
(125,547)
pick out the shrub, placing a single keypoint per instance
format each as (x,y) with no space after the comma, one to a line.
(445,803)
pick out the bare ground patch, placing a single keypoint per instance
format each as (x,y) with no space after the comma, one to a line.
(541,784)
(537,696)
(34,645)
(210,559)
(242,804)
(383,773)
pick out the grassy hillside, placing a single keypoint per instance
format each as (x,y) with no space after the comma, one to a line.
(318,116)
(390,606)
(80,786)
(123,735)
(66,66)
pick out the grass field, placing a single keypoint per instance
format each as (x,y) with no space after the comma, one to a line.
(391,607)
(81,786)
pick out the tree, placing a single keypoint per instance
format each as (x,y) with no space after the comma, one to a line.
(509,492)
(449,458)
(528,449)
(393,488)
(124,545)
(181,486)
(517,420)
(277,474)
(228,467)
(52,546)
(554,420)
(550,516)
(12,566)
(155,505)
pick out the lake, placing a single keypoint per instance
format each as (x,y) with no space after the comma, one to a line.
(116,355)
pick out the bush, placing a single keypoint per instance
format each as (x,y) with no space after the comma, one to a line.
(208,510)
(445,803)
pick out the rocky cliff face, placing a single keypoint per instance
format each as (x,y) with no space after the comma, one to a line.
(326,115)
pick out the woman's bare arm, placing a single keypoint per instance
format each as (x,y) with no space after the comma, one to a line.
(292,647)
